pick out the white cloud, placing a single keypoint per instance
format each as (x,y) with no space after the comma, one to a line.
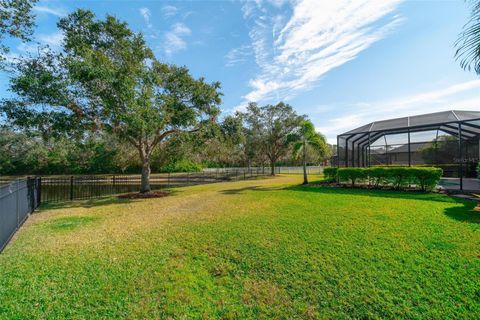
(238,55)
(169,10)
(174,38)
(277,3)
(48,10)
(294,52)
(146,14)
(54,40)
(461,96)
(11,57)
(180,29)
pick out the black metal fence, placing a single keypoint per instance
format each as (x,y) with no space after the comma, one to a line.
(278,169)
(65,188)
(18,199)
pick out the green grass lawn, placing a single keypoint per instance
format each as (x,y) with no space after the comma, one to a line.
(257,249)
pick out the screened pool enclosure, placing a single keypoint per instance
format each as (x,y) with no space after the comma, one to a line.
(449,140)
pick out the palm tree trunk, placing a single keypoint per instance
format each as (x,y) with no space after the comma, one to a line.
(305,178)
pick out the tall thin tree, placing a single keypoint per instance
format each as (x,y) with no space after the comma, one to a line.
(308,139)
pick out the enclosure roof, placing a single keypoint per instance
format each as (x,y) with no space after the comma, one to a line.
(424,120)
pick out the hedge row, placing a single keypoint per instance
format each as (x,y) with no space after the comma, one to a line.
(425,178)
(330,173)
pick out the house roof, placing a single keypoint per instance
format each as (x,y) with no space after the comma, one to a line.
(424,120)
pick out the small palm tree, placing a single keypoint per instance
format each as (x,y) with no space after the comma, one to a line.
(468,43)
(308,139)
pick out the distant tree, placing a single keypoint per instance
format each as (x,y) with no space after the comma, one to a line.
(468,42)
(108,79)
(16,21)
(274,126)
(215,145)
(440,150)
(252,147)
(230,140)
(308,139)
(22,154)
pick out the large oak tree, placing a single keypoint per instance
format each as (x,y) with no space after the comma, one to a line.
(107,78)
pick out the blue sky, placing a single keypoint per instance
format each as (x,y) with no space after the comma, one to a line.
(342,63)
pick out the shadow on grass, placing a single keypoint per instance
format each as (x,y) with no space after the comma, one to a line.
(465,213)
(254,188)
(101,201)
(397,194)
(90,203)
(461,210)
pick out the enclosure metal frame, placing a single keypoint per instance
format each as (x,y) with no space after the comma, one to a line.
(462,129)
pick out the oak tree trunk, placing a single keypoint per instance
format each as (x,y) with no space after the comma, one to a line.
(145,186)
(272,164)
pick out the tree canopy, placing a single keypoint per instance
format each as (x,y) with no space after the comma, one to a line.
(16,21)
(108,79)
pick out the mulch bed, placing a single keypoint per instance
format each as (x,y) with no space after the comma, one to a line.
(147,195)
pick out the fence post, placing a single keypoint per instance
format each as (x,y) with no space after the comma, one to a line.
(168,180)
(39,191)
(71,187)
(16,200)
(31,193)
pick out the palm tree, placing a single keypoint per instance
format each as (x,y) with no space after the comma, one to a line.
(308,139)
(468,42)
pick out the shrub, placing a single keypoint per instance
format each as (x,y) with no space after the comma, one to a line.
(377,175)
(183,166)
(352,174)
(330,173)
(426,178)
(478,170)
(398,176)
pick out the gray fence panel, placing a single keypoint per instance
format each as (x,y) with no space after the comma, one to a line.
(8,213)
(23,204)
(17,200)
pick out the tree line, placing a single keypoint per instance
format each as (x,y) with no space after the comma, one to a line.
(238,140)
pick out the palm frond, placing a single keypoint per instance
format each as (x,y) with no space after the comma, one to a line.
(468,42)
